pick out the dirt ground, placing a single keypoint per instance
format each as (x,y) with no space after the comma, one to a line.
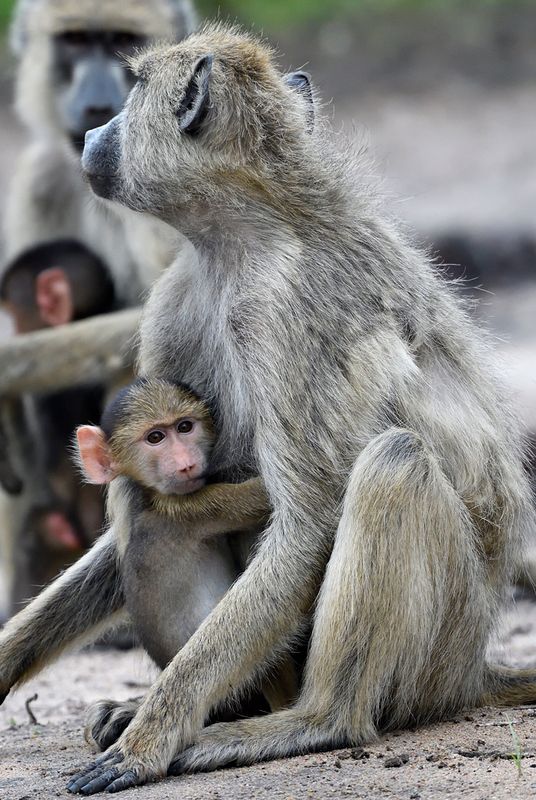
(485,754)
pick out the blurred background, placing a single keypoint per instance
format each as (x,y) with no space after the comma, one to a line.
(444,93)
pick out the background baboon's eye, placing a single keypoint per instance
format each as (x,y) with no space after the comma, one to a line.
(75,38)
(124,40)
(155,437)
(185,426)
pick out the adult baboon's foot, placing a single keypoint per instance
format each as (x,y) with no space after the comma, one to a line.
(107,719)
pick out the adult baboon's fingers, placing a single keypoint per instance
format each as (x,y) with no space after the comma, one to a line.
(101,782)
(126,781)
(93,770)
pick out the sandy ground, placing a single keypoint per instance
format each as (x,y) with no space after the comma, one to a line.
(470,755)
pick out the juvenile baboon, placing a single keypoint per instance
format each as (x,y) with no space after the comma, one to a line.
(53,284)
(55,516)
(154,445)
(344,371)
(71,77)
(187,541)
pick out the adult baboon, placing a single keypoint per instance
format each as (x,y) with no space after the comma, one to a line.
(343,370)
(71,77)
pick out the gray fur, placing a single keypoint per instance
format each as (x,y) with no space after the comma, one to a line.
(346,371)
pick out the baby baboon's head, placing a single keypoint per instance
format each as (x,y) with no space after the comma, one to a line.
(206,114)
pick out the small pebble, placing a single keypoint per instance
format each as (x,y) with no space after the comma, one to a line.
(396,761)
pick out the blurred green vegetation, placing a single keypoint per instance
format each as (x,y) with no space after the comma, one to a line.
(5,11)
(278,14)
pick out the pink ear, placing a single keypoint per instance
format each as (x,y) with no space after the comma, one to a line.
(95,456)
(54,297)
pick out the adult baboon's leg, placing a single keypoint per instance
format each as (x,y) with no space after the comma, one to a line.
(399,631)
(78,605)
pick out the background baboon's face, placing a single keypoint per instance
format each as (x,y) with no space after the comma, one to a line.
(91,77)
(72,73)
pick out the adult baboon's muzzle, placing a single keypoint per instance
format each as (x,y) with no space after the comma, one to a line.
(101,157)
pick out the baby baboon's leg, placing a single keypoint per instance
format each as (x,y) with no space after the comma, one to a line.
(78,605)
(107,719)
(400,626)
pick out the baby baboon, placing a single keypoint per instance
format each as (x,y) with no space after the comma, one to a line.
(56,517)
(345,372)
(55,283)
(155,440)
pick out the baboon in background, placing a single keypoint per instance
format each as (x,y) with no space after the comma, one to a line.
(71,77)
(344,371)
(50,284)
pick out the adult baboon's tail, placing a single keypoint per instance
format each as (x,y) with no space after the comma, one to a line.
(510,687)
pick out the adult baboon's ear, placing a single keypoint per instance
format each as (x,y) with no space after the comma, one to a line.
(195,102)
(301,83)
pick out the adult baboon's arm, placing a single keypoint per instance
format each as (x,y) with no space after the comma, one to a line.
(77,606)
(85,352)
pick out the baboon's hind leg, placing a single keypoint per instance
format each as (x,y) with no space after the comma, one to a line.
(107,719)
(400,627)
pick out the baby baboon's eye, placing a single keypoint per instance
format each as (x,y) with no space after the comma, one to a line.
(155,437)
(185,426)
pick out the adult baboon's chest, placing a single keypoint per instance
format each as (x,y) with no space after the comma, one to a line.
(211,360)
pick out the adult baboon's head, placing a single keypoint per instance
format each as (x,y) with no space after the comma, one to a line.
(213,112)
(72,74)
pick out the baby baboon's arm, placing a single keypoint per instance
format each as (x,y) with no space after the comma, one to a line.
(220,507)
(79,605)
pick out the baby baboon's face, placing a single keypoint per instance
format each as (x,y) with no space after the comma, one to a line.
(210,113)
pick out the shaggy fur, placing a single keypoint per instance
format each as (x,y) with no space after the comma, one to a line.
(344,370)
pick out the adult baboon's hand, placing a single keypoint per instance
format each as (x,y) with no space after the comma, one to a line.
(112,772)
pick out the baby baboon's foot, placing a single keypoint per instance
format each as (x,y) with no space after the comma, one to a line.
(106,721)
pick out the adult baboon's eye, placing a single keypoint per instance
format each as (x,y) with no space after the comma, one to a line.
(155,437)
(185,426)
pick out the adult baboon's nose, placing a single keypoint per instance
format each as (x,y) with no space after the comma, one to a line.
(100,159)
